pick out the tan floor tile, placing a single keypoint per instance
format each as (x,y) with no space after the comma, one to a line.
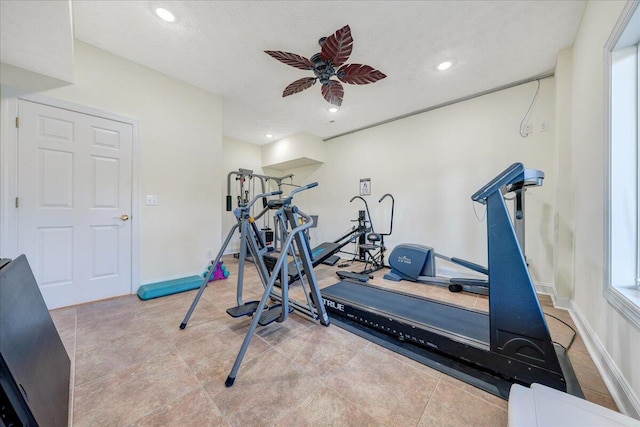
(110,356)
(325,407)
(322,350)
(275,333)
(180,337)
(223,293)
(560,332)
(123,397)
(92,333)
(109,309)
(600,399)
(589,378)
(171,314)
(412,363)
(294,372)
(452,406)
(463,299)
(414,288)
(194,409)
(482,304)
(373,381)
(65,319)
(266,387)
(481,394)
(211,358)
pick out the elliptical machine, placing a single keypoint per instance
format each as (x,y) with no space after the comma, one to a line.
(293,224)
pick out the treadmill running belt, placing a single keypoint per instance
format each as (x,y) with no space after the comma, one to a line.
(466,323)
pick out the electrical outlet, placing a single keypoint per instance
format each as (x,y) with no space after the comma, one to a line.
(152,200)
(526,129)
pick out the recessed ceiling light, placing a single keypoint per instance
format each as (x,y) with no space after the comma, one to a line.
(333,110)
(165,14)
(444,66)
(269,135)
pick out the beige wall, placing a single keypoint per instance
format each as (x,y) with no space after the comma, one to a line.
(432,163)
(615,343)
(180,156)
(564,197)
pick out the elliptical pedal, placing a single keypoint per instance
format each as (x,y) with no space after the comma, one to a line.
(246,309)
(272,314)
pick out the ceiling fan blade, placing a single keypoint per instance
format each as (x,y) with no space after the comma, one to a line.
(359,74)
(337,47)
(292,59)
(333,92)
(299,85)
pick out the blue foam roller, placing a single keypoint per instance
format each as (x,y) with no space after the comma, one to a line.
(169,287)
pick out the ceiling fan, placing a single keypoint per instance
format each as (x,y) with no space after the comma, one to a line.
(328,63)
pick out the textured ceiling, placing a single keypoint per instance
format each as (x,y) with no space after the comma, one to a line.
(218,46)
(37,36)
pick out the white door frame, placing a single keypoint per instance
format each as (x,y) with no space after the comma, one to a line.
(9,171)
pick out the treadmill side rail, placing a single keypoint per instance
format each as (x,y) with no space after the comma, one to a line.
(462,340)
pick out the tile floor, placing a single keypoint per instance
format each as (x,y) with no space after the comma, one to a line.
(133,366)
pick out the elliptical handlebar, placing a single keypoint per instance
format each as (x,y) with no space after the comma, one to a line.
(277,204)
(393,202)
(308,221)
(261,196)
(303,188)
(366,205)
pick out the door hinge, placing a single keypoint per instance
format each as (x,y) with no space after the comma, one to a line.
(17,122)
(17,202)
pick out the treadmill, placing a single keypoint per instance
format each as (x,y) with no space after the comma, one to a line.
(510,344)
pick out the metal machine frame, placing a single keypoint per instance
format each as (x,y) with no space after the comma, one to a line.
(295,245)
(510,344)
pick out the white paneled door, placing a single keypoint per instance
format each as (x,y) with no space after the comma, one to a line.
(74,203)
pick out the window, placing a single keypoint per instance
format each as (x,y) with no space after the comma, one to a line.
(622,211)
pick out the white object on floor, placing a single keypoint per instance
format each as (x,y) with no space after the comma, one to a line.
(542,406)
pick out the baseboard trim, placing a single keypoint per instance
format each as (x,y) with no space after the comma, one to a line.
(231,251)
(622,393)
(546,289)
(543,288)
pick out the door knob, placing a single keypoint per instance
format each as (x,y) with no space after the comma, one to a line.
(123,217)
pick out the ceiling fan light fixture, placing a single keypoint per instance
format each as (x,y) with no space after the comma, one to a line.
(444,65)
(328,63)
(165,15)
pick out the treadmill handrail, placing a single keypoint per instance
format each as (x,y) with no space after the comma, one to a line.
(513,173)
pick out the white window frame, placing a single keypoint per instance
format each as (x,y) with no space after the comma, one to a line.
(622,236)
